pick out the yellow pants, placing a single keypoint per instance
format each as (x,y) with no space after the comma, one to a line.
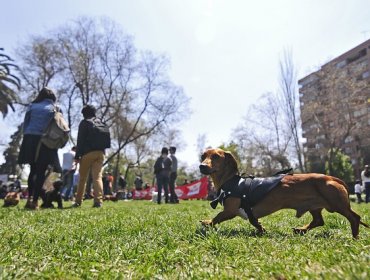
(93,162)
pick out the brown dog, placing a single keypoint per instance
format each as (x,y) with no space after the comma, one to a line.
(302,192)
(11,199)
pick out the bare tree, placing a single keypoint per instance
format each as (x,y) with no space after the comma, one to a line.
(40,64)
(92,61)
(262,141)
(201,143)
(290,104)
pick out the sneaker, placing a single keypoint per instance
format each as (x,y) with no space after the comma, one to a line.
(97,205)
(76,205)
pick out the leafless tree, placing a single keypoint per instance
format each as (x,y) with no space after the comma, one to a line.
(261,138)
(92,61)
(289,98)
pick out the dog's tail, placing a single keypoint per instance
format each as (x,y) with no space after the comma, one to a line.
(342,183)
(365,225)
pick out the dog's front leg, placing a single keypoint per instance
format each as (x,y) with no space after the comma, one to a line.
(231,210)
(60,201)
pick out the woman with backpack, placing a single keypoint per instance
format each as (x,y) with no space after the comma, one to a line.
(39,114)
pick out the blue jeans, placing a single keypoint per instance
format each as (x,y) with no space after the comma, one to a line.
(68,184)
(162,182)
(367,192)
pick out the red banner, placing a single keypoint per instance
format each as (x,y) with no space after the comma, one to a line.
(194,190)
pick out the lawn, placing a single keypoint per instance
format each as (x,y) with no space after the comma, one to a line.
(143,240)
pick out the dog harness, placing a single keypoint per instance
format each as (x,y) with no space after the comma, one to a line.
(249,189)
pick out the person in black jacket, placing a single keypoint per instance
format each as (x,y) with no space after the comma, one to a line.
(90,157)
(162,170)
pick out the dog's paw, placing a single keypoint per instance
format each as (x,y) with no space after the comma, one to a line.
(206,222)
(300,231)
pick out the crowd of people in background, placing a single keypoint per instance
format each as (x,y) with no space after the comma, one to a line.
(82,165)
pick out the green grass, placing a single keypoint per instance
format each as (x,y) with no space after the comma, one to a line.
(142,240)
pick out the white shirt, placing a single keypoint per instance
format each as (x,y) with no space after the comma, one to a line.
(358,188)
(68,160)
(364,178)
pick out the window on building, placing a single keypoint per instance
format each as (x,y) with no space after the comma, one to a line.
(341,64)
(360,54)
(366,75)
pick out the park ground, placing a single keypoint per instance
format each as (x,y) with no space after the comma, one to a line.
(143,240)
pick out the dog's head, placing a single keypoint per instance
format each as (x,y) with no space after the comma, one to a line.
(11,199)
(219,164)
(58,184)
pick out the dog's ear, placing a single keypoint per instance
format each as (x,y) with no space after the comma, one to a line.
(231,161)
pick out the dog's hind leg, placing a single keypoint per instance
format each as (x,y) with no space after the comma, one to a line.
(340,203)
(316,222)
(353,218)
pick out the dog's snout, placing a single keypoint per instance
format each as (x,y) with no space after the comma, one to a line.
(204,169)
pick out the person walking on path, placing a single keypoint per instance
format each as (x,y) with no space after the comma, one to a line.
(173,176)
(40,158)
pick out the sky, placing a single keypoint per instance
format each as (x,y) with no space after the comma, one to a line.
(224,53)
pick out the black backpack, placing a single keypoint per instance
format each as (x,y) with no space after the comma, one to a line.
(158,165)
(99,135)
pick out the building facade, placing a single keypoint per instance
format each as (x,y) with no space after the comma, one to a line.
(335,109)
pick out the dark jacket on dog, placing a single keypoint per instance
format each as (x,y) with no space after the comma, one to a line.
(251,190)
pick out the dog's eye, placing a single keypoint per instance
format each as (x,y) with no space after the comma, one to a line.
(203,157)
(215,156)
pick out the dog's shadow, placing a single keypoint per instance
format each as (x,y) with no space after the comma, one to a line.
(205,232)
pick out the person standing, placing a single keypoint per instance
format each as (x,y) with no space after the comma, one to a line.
(173,176)
(69,169)
(90,156)
(358,191)
(138,183)
(122,183)
(162,170)
(39,114)
(365,177)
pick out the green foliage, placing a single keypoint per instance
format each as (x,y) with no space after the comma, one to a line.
(11,153)
(8,82)
(339,165)
(143,240)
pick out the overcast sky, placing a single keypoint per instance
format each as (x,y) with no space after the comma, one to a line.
(224,53)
